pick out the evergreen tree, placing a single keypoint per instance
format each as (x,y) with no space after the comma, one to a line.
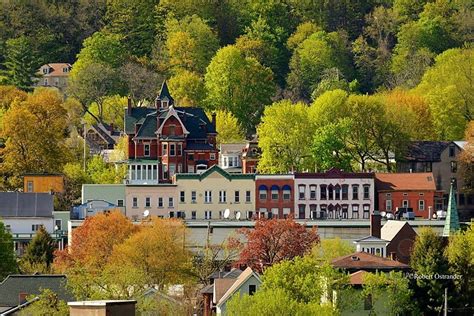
(40,249)
(8,263)
(21,64)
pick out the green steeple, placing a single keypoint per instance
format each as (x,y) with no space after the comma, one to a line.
(452,218)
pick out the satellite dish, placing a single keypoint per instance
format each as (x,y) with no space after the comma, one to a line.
(146,213)
(226,213)
(237,215)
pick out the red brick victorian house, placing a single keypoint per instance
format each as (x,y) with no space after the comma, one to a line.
(164,140)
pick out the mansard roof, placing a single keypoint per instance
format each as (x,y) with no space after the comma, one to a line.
(194,119)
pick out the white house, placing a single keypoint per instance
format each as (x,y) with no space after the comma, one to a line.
(24,213)
(246,283)
(334,194)
(230,157)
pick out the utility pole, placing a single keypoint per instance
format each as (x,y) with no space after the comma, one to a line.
(445,301)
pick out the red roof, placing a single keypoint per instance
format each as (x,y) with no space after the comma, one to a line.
(357,278)
(367,261)
(405,181)
(57,69)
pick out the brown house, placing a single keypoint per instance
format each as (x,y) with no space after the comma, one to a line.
(401,237)
(365,261)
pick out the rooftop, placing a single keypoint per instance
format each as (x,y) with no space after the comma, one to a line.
(20,204)
(14,284)
(391,229)
(366,261)
(424,151)
(423,181)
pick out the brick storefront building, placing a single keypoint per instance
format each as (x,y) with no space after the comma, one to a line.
(274,195)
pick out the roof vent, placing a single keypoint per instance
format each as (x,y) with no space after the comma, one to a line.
(355,258)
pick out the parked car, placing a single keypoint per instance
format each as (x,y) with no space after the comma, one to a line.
(440,214)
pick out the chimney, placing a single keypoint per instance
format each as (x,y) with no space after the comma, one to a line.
(375,224)
(393,255)
(129,106)
(214,119)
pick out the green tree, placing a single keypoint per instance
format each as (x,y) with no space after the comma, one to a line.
(93,84)
(460,255)
(392,290)
(135,22)
(329,147)
(142,82)
(448,87)
(187,88)
(102,172)
(48,304)
(331,79)
(21,64)
(240,85)
(427,259)
(285,137)
(110,110)
(313,56)
(8,264)
(329,249)
(419,41)
(103,48)
(39,252)
(373,50)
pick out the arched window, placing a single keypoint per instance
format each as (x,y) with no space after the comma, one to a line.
(286,192)
(337,192)
(262,192)
(275,192)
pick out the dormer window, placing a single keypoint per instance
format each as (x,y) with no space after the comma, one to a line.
(45,70)
(66,69)
(164,104)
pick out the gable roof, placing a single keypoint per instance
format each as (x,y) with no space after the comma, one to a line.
(392,228)
(424,151)
(14,284)
(371,239)
(231,148)
(57,69)
(171,113)
(208,172)
(357,278)
(20,204)
(106,133)
(363,260)
(422,181)
(243,277)
(221,286)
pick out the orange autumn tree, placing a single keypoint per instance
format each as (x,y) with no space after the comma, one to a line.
(91,246)
(273,241)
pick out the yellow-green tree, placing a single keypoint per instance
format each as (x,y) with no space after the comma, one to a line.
(240,85)
(285,136)
(187,88)
(448,86)
(228,128)
(34,130)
